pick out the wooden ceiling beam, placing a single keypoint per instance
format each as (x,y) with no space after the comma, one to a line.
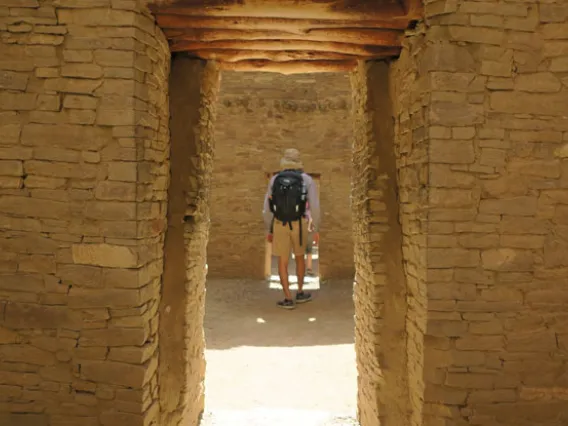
(278,45)
(298,26)
(304,9)
(356,36)
(226,55)
(291,67)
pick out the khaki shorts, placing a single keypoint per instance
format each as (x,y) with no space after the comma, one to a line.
(286,240)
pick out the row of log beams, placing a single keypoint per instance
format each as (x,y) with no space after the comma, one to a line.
(168,19)
(286,36)
(352,10)
(286,45)
(290,67)
(236,55)
(373,37)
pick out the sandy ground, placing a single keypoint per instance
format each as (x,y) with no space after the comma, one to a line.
(269,366)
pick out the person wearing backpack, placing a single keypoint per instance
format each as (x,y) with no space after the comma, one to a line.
(285,219)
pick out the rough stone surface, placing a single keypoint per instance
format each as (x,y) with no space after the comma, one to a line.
(459,208)
(497,192)
(83,144)
(193,88)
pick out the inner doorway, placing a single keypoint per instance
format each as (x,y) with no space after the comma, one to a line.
(264,364)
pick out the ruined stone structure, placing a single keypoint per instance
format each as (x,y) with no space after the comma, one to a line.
(258,116)
(459,204)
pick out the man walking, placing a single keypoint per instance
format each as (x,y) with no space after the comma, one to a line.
(286,224)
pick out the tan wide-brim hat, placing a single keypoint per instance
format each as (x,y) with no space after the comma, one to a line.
(291,160)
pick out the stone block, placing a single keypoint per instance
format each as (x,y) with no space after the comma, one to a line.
(113,337)
(109,190)
(448,57)
(65,136)
(480,343)
(451,198)
(556,247)
(496,68)
(115,58)
(517,206)
(80,275)
(110,210)
(80,102)
(452,152)
(448,258)
(90,71)
(538,340)
(103,298)
(10,80)
(26,206)
(543,82)
(117,373)
(61,169)
(506,259)
(24,419)
(11,168)
(26,354)
(529,103)
(77,55)
(20,315)
(48,102)
(17,101)
(107,255)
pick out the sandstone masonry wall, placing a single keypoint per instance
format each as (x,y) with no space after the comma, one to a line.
(498,208)
(193,90)
(83,177)
(409,97)
(390,386)
(260,115)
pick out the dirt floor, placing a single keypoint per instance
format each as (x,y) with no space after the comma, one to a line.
(271,367)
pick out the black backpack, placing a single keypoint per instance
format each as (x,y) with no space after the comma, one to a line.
(289,196)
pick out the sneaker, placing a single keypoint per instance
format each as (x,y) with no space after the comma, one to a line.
(303,297)
(286,304)
(310,273)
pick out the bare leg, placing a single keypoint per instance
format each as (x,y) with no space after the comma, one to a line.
(283,272)
(300,271)
(309,264)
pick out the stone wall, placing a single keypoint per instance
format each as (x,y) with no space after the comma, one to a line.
(409,98)
(388,158)
(497,225)
(193,91)
(83,145)
(260,115)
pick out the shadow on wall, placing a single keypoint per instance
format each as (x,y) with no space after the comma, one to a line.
(244,313)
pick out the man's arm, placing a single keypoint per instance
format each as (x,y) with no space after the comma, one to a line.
(267,214)
(313,199)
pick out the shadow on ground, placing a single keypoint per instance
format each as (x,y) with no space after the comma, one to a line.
(244,313)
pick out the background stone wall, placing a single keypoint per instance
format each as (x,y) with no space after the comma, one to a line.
(497,225)
(258,116)
(83,177)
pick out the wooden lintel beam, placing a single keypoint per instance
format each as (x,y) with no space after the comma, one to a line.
(304,9)
(226,55)
(291,67)
(371,37)
(298,26)
(278,45)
